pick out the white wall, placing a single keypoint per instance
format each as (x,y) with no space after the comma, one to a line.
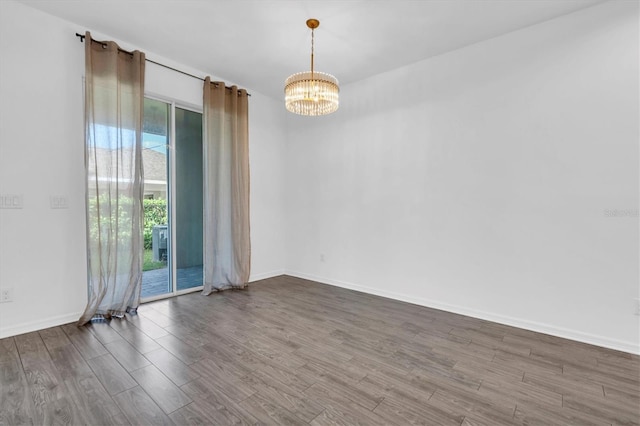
(42,251)
(477,181)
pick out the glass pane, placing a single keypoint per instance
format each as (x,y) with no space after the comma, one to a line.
(188,198)
(156,279)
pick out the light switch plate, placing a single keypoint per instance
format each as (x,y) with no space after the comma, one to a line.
(58,202)
(11,201)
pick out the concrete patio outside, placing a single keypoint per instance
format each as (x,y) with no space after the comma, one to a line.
(156,282)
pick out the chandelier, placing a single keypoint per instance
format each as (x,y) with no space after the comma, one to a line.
(311,92)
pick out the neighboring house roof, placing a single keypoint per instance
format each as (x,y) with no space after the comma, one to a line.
(155,165)
(154,162)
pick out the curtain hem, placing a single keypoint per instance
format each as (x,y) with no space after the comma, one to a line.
(207,292)
(107,316)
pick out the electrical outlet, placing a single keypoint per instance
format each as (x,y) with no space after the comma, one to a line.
(6,295)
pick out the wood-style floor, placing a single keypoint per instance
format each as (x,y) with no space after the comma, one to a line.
(293,351)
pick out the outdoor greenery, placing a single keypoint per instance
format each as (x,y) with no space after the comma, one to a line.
(105,215)
(149,264)
(116,213)
(155,213)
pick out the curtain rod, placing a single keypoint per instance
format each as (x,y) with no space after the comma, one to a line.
(82,37)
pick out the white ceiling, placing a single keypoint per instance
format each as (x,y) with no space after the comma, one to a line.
(258,43)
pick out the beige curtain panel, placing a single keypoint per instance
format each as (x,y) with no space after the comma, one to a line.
(227,245)
(114,97)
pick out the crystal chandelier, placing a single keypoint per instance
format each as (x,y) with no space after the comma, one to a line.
(311,92)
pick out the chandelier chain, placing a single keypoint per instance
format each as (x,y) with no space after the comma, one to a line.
(312,51)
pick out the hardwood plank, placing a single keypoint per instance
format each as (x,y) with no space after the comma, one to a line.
(192,337)
(95,405)
(531,414)
(187,354)
(327,364)
(15,400)
(428,375)
(519,393)
(623,396)
(627,384)
(362,338)
(471,352)
(31,349)
(167,395)
(285,396)
(113,377)
(227,380)
(45,385)
(289,377)
(59,411)
(70,362)
(609,410)
(140,409)
(400,387)
(147,326)
(630,372)
(528,364)
(237,364)
(8,350)
(48,393)
(340,410)
(135,337)
(54,337)
(489,370)
(202,412)
(165,306)
(367,364)
(264,346)
(84,341)
(268,411)
(475,409)
(156,317)
(415,358)
(500,346)
(201,390)
(563,384)
(552,349)
(222,348)
(104,332)
(177,371)
(342,387)
(396,412)
(127,355)
(119,420)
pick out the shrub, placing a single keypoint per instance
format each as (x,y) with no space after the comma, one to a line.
(155,213)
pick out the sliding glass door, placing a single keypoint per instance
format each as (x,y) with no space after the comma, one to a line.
(188,205)
(172,161)
(156,138)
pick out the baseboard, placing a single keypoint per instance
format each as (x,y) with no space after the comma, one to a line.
(265,275)
(488,316)
(40,324)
